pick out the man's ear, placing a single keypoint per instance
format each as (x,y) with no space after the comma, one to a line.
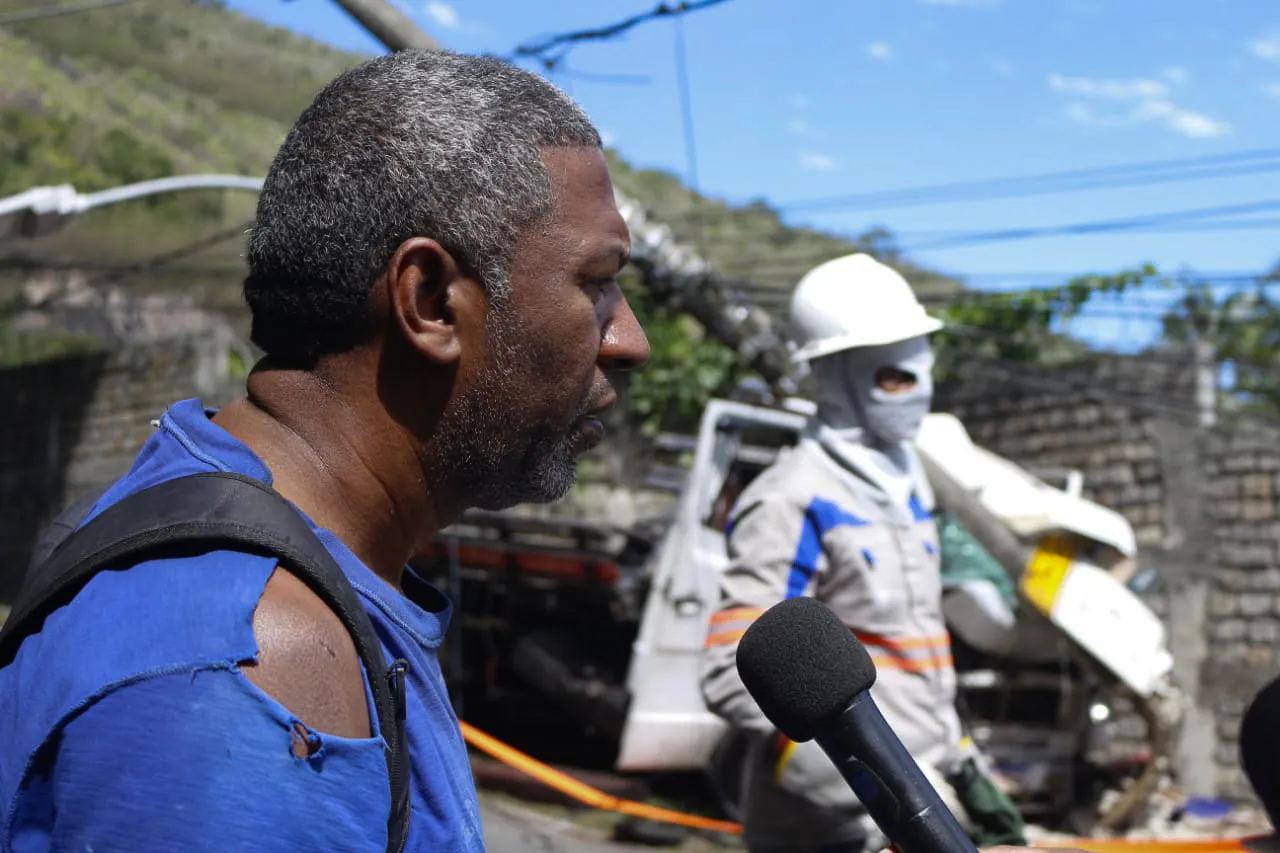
(422,288)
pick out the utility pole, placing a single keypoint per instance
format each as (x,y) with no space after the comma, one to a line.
(389,25)
(1206,382)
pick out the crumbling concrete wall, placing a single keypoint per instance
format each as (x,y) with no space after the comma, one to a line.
(72,423)
(1204,502)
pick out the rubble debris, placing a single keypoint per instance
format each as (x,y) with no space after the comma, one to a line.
(1170,814)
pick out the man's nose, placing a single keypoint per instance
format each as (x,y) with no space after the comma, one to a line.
(625,346)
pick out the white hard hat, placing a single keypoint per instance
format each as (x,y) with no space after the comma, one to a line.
(854,301)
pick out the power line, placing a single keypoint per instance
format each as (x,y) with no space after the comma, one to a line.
(1096,226)
(779,297)
(186,250)
(1263,224)
(1193,168)
(779,260)
(108,272)
(40,13)
(1238,281)
(597,77)
(686,123)
(567,41)
(771,264)
(1062,275)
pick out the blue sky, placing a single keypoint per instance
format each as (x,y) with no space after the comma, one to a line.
(815,98)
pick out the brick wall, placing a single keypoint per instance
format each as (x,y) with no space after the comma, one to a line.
(73,423)
(1243,599)
(1204,502)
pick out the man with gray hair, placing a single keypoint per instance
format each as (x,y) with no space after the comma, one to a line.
(432,279)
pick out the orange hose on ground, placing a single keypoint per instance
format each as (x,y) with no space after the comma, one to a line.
(596,798)
(1145,845)
(583,793)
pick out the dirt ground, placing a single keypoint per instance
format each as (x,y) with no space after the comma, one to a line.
(516,826)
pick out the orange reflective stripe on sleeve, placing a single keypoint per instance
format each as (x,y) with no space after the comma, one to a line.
(736,614)
(728,626)
(909,654)
(931,663)
(724,638)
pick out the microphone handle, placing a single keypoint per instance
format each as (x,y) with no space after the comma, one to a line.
(888,781)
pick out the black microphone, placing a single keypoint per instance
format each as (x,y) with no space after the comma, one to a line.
(811,677)
(1260,748)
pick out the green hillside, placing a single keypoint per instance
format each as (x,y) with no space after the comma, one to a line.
(144,90)
(161,87)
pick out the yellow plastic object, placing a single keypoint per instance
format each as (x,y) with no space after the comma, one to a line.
(1046,570)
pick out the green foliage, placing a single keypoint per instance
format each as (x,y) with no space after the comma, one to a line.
(685,370)
(237,365)
(131,92)
(1023,326)
(38,149)
(198,47)
(1242,330)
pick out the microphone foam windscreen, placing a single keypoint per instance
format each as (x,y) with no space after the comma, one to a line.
(802,664)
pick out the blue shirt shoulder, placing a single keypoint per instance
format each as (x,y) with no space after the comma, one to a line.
(127,724)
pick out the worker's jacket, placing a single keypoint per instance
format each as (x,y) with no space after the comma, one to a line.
(808,526)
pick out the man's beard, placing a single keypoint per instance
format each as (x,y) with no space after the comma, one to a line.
(492,462)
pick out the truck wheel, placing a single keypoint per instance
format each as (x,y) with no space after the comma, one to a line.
(724,772)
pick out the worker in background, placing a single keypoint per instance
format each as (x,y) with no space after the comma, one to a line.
(846,517)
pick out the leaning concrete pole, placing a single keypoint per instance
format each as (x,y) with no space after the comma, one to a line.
(388,24)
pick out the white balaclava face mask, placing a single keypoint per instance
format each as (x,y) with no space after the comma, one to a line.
(868,429)
(849,399)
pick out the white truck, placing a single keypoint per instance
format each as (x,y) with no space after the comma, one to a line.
(607,631)
(1036,680)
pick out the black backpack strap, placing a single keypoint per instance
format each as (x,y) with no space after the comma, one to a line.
(220,512)
(63,525)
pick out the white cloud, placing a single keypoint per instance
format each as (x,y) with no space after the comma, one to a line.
(1081,114)
(1116,90)
(1002,67)
(799,102)
(1272,89)
(607,138)
(1266,48)
(1136,101)
(443,15)
(1187,122)
(798,126)
(446,17)
(880,50)
(812,161)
